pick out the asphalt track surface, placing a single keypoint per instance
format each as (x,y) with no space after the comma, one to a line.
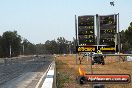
(23,72)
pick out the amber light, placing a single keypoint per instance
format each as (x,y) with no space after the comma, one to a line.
(81,72)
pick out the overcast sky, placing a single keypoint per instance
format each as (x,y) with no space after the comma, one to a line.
(41,20)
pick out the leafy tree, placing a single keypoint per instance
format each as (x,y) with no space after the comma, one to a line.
(54,47)
(48,47)
(28,47)
(40,48)
(126,38)
(122,37)
(62,43)
(73,47)
(128,34)
(11,40)
(61,46)
(1,46)
(51,47)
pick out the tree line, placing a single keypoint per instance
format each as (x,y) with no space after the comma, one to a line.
(12,44)
(126,39)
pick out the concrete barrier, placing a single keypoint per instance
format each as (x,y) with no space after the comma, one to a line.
(49,80)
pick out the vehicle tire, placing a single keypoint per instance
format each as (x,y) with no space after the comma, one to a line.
(103,63)
(81,80)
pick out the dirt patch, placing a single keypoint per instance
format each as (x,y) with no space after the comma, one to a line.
(67,70)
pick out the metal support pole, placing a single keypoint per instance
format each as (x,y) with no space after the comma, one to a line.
(97,28)
(76,35)
(23,49)
(76,29)
(10,51)
(90,63)
(115,40)
(119,45)
(69,49)
(91,71)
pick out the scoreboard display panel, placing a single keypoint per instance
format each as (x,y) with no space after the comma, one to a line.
(108,28)
(107,41)
(86,33)
(86,39)
(108,19)
(107,31)
(85,30)
(86,20)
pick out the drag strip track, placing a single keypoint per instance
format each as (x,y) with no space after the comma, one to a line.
(22,66)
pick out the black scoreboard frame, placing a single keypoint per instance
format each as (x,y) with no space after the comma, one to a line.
(89,37)
(109,28)
(96,29)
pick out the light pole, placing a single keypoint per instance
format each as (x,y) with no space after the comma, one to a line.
(23,48)
(118,29)
(10,50)
(10,47)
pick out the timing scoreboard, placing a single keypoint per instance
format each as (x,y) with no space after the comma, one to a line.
(86,34)
(108,29)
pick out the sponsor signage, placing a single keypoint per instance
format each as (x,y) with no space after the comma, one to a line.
(86,48)
(94,48)
(108,78)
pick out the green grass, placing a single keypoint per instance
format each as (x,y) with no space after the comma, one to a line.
(61,76)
